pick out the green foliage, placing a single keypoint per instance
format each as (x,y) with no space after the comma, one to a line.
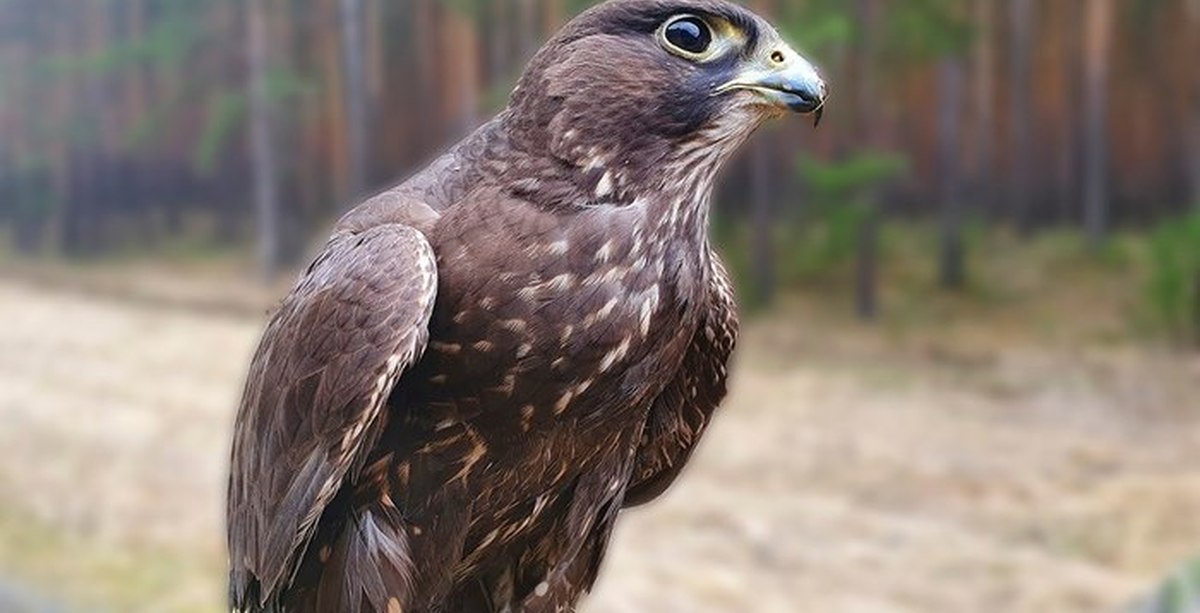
(1179,594)
(167,42)
(840,198)
(1174,288)
(832,182)
(227,110)
(821,25)
(911,32)
(1141,15)
(925,29)
(34,191)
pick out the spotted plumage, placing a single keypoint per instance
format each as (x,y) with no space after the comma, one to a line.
(487,363)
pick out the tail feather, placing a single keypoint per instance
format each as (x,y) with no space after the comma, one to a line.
(369,568)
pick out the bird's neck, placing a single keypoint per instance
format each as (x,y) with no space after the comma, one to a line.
(672,178)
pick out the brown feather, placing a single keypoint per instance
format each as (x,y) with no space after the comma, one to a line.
(491,360)
(314,397)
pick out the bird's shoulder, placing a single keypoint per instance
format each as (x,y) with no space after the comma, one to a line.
(444,183)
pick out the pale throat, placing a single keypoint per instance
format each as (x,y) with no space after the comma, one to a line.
(681,200)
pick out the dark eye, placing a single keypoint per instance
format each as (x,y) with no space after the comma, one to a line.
(689,34)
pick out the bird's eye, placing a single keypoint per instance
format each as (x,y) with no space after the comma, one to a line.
(688,36)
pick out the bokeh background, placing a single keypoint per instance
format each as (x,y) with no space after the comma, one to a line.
(970,378)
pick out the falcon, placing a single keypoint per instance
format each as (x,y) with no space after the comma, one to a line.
(487,363)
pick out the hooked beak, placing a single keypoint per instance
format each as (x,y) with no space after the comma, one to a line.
(784,80)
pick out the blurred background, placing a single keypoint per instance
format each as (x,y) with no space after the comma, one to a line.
(970,379)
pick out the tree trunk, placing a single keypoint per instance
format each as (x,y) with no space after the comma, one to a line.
(61,107)
(1099,21)
(1196,309)
(458,56)
(1192,44)
(266,189)
(355,92)
(953,251)
(333,81)
(14,62)
(984,69)
(763,224)
(226,17)
(527,20)
(552,15)
(1021,109)
(867,279)
(1194,155)
(138,105)
(867,265)
(429,133)
(1071,145)
(499,42)
(377,65)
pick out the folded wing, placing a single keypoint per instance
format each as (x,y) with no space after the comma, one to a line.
(313,405)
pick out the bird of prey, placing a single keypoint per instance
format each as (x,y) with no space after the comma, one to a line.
(486,364)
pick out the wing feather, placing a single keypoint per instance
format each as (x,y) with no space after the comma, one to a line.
(314,401)
(681,414)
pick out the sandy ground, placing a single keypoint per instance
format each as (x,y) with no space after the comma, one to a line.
(849,471)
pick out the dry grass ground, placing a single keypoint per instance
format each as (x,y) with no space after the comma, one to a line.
(1004,454)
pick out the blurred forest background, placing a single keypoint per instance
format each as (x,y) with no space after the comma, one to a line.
(126,125)
(1006,192)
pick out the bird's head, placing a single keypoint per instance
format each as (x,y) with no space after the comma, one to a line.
(633,89)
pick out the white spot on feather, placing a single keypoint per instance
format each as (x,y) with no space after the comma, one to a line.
(515,325)
(616,355)
(539,505)
(615,274)
(647,305)
(605,186)
(447,348)
(564,403)
(557,285)
(561,282)
(596,159)
(477,453)
(508,386)
(605,312)
(527,413)
(605,253)
(583,387)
